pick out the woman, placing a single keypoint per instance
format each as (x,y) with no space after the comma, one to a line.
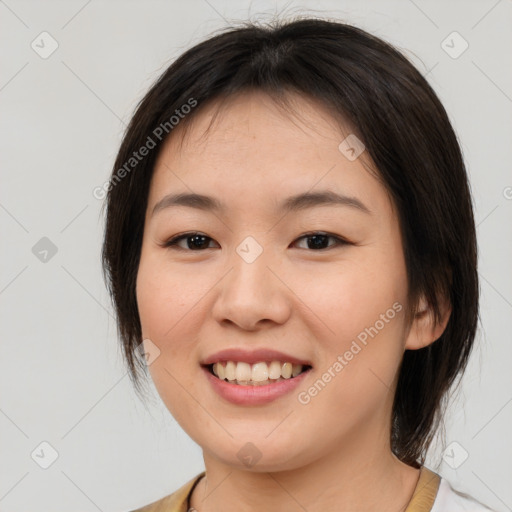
(311,374)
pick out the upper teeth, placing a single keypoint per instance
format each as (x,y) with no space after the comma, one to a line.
(258,372)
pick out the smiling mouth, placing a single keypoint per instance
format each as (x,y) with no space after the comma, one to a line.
(259,374)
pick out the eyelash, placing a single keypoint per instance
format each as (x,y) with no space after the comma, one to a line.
(172,243)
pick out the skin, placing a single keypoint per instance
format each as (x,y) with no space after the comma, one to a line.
(332,453)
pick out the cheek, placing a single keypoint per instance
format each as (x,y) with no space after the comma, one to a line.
(361,353)
(361,307)
(355,295)
(160,309)
(152,301)
(162,298)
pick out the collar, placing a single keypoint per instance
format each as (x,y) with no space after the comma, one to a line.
(422,499)
(425,491)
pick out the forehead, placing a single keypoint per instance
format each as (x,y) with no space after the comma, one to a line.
(254,115)
(247,146)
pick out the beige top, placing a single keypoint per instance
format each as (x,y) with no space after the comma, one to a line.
(422,499)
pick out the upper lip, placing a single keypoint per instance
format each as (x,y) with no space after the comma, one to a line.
(252,356)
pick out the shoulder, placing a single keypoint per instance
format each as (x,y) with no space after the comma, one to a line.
(450,500)
(175,502)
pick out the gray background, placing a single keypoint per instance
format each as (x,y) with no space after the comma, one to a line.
(61,375)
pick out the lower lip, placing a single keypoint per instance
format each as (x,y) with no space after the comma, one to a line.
(253,395)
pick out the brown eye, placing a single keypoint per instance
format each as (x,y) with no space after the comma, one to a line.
(194,241)
(319,240)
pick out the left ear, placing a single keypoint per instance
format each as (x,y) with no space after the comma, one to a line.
(424,330)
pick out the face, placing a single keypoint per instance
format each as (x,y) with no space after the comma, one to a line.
(325,283)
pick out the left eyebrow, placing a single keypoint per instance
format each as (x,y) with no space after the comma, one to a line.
(322,198)
(295,203)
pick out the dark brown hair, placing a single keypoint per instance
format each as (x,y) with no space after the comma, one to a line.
(408,136)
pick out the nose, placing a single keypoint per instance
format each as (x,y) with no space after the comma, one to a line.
(252,294)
